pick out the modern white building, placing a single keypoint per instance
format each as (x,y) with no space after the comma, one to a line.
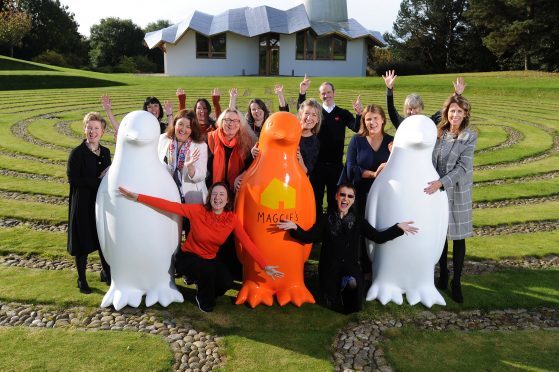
(316,38)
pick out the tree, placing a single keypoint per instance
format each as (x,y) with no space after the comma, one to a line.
(14,24)
(520,32)
(430,32)
(112,39)
(156,55)
(53,28)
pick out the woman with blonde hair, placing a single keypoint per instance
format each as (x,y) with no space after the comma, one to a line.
(229,149)
(453,158)
(87,164)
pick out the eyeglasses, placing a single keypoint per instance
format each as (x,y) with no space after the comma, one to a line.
(229,121)
(344,195)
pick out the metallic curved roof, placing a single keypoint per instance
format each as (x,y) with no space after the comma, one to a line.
(251,22)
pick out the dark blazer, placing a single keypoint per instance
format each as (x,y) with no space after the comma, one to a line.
(84,168)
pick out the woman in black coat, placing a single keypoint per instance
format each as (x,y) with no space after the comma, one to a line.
(339,271)
(87,165)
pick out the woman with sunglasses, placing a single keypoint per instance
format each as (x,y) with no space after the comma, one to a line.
(339,273)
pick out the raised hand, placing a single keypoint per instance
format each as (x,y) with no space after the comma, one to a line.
(459,85)
(180,92)
(168,108)
(192,158)
(128,194)
(106,102)
(233,93)
(304,85)
(408,228)
(216,92)
(255,151)
(389,78)
(358,106)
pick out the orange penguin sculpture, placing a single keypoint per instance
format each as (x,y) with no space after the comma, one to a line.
(275,188)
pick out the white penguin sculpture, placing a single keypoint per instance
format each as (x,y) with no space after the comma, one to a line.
(406,265)
(138,241)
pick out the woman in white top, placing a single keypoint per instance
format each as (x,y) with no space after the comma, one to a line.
(184,153)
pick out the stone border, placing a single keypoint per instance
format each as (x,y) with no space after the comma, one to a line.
(470,267)
(31,176)
(357,346)
(19,130)
(525,179)
(513,137)
(509,202)
(36,198)
(193,350)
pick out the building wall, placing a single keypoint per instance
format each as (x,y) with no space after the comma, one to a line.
(354,65)
(242,54)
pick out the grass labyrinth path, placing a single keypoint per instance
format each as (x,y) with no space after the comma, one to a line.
(512,260)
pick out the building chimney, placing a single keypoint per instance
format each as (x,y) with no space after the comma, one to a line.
(326,10)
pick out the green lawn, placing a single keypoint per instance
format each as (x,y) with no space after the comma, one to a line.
(39,97)
(410,349)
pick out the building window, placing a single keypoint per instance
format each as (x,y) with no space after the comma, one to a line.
(211,47)
(312,47)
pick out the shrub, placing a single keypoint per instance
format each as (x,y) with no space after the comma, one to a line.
(50,57)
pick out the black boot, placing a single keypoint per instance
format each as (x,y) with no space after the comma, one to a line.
(442,281)
(458,255)
(456,291)
(105,275)
(84,287)
(81,263)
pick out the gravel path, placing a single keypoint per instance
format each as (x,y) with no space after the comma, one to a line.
(193,350)
(357,346)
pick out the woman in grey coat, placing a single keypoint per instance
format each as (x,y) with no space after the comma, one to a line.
(453,158)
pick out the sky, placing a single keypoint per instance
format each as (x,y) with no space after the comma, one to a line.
(376,15)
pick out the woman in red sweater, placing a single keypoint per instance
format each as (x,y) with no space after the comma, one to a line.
(210,225)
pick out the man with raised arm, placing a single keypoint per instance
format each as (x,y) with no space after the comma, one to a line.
(331,136)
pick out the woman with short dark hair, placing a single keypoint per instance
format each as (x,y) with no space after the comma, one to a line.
(339,230)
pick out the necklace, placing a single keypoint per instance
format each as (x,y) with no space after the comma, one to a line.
(96,151)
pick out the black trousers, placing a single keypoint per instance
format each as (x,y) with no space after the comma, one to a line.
(325,175)
(81,264)
(211,276)
(458,255)
(348,300)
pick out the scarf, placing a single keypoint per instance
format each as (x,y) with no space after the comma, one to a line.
(217,143)
(175,162)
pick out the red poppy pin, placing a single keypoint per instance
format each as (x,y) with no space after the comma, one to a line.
(337,118)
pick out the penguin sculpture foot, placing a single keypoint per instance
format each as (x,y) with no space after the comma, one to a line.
(254,294)
(164,295)
(122,297)
(296,294)
(428,296)
(385,293)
